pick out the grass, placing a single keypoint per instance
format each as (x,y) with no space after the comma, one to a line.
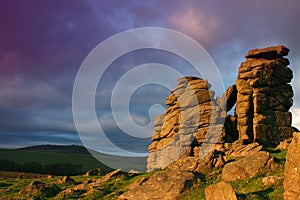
(23,156)
(253,189)
(250,189)
(111,189)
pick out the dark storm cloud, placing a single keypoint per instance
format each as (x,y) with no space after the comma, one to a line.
(42,44)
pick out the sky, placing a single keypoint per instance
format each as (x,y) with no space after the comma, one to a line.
(43,44)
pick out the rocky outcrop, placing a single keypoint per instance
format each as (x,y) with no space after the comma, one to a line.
(264,97)
(246,167)
(165,185)
(220,191)
(192,123)
(195,134)
(292,170)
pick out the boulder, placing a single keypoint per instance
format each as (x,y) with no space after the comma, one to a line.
(220,191)
(110,175)
(94,172)
(67,179)
(246,167)
(228,99)
(165,185)
(271,180)
(291,181)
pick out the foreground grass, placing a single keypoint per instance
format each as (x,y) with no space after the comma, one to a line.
(111,189)
(250,189)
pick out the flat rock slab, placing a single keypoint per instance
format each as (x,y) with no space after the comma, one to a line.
(269,52)
(165,185)
(291,181)
(220,191)
(246,167)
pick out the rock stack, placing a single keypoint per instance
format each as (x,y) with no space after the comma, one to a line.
(264,97)
(192,120)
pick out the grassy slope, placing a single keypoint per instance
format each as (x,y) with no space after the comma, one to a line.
(251,189)
(24,156)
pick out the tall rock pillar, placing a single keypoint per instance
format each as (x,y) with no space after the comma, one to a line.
(264,96)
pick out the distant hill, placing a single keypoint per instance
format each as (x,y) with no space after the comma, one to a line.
(50,156)
(53,159)
(77,149)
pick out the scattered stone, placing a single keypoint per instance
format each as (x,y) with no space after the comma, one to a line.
(94,172)
(220,191)
(292,170)
(83,187)
(246,167)
(271,180)
(67,179)
(37,188)
(133,172)
(110,175)
(166,185)
(68,193)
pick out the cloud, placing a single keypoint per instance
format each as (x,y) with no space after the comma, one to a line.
(196,23)
(44,43)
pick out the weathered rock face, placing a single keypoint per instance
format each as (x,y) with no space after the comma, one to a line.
(167,185)
(292,170)
(220,191)
(193,121)
(264,97)
(246,167)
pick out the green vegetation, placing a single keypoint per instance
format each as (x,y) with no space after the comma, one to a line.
(48,162)
(251,189)
(111,189)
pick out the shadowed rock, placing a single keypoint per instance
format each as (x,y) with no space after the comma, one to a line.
(228,99)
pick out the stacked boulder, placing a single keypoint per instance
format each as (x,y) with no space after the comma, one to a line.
(192,122)
(264,97)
